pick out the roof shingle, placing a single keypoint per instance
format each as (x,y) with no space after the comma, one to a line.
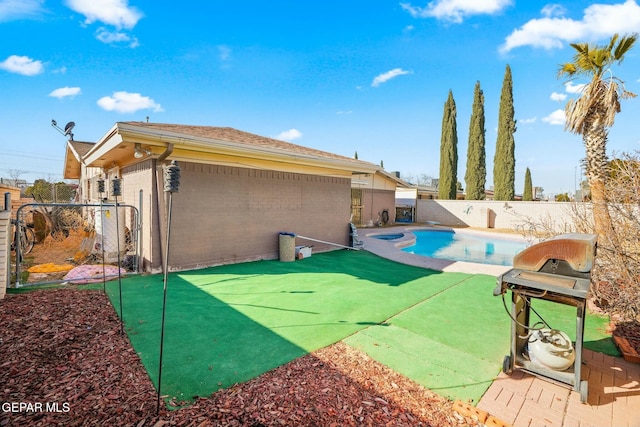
(241,137)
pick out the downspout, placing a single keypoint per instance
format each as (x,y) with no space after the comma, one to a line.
(373,188)
(166,153)
(157,231)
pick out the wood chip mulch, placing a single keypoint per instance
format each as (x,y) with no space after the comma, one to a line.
(64,362)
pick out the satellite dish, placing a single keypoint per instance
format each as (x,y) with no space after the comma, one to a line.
(68,128)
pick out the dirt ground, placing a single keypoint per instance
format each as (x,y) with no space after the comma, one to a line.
(63,361)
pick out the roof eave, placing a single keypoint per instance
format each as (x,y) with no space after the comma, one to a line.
(124,132)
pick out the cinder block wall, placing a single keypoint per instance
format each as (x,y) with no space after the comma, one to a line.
(495,214)
(227,214)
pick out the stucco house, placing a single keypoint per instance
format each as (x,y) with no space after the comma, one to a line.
(237,191)
(373,197)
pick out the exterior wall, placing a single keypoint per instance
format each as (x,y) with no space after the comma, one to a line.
(89,184)
(373,181)
(374,202)
(378,194)
(138,191)
(224,214)
(15,191)
(494,214)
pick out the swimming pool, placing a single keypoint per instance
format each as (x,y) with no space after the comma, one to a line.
(468,247)
(391,236)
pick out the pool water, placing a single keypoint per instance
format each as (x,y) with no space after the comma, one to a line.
(465,247)
(392,236)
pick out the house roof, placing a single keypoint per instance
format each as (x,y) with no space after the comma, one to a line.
(233,135)
(395,178)
(208,144)
(73,157)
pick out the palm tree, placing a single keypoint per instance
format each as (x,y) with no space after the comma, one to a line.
(595,110)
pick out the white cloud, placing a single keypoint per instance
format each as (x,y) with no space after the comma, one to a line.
(384,77)
(553,30)
(343,113)
(571,88)
(555,96)
(116,13)
(289,135)
(553,10)
(11,10)
(22,65)
(125,102)
(555,118)
(108,37)
(528,120)
(64,92)
(456,10)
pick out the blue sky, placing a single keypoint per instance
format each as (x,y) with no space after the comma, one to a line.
(340,76)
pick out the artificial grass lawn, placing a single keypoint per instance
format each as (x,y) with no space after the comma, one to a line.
(231,323)
(460,337)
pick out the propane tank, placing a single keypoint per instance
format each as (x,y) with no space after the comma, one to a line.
(551,348)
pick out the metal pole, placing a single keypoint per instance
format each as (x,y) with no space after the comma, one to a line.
(17,246)
(117,190)
(139,234)
(104,274)
(171,184)
(328,243)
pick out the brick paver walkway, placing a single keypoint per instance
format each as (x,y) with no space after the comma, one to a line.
(525,400)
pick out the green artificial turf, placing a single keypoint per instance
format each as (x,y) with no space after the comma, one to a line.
(231,323)
(228,324)
(457,340)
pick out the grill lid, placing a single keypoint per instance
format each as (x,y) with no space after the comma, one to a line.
(575,249)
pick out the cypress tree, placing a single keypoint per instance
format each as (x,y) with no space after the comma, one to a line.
(504,162)
(476,175)
(527,195)
(448,152)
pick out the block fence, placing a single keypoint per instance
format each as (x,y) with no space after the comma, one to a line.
(495,214)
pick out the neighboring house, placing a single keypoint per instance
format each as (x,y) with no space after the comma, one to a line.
(237,191)
(488,195)
(18,183)
(12,190)
(373,197)
(406,204)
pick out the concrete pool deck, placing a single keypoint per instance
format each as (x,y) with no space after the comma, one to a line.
(522,399)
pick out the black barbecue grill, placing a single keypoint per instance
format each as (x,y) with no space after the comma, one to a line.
(557,270)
